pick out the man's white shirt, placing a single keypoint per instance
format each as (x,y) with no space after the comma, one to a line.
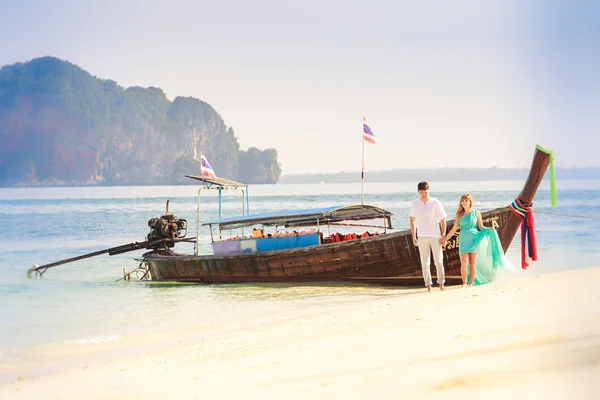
(428,216)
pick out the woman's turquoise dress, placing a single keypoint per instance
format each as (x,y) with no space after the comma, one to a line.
(486,243)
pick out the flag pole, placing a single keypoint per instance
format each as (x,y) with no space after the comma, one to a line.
(362,178)
(370,136)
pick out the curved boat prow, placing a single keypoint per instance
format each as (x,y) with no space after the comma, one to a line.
(541,160)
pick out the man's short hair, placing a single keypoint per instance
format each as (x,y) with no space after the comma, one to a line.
(423,186)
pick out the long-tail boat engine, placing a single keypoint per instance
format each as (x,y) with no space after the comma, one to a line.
(167,227)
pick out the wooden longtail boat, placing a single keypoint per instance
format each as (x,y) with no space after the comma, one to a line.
(389,258)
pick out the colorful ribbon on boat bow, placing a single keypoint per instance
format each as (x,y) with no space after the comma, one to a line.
(528,242)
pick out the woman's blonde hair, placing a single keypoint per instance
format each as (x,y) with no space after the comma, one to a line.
(460,211)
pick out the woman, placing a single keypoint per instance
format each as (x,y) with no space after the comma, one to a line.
(481,253)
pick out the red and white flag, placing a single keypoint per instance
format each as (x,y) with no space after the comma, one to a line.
(368,134)
(205,168)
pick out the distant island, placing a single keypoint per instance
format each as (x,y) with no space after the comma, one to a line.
(439,174)
(59,125)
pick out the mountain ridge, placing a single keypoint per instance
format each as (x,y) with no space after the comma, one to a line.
(60,125)
(439,174)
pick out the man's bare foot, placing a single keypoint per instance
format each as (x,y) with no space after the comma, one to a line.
(463,285)
(442,287)
(429,288)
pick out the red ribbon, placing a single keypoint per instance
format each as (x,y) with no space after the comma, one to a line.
(528,240)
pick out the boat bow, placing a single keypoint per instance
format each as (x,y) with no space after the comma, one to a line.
(539,165)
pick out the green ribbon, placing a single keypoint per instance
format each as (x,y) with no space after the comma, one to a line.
(552,176)
(552,181)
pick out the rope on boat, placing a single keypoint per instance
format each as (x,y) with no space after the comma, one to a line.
(127,275)
(528,239)
(147,271)
(566,215)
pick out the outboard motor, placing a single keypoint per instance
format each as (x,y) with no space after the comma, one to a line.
(168,226)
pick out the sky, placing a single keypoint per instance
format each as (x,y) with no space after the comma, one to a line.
(461,83)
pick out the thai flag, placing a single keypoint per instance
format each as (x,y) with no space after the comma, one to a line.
(368,134)
(205,168)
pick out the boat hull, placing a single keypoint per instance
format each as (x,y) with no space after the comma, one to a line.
(384,259)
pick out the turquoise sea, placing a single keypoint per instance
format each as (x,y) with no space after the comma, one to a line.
(75,307)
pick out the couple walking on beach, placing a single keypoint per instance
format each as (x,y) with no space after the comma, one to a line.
(428,227)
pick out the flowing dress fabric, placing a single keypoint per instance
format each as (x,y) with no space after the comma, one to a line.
(486,243)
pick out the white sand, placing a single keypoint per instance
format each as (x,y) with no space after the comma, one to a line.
(532,337)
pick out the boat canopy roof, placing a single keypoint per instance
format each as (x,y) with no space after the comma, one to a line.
(306,217)
(215,182)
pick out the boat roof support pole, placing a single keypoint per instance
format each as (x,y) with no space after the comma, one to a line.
(220,202)
(197,223)
(243,208)
(247,202)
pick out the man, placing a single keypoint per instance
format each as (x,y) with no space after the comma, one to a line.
(428,227)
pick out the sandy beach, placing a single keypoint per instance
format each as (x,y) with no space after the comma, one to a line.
(535,336)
